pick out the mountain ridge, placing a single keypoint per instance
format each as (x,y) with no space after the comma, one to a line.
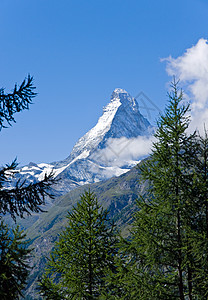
(86,163)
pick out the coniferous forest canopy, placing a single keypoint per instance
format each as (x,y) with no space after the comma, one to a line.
(165,255)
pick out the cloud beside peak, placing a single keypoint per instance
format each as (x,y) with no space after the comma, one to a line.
(192,70)
(119,151)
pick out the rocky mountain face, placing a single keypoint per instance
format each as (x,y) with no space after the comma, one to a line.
(96,155)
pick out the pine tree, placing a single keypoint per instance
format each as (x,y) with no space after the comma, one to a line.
(83,256)
(200,221)
(162,253)
(16,201)
(22,198)
(13,262)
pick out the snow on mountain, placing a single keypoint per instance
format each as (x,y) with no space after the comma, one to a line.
(121,119)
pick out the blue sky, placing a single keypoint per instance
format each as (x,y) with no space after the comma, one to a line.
(79,52)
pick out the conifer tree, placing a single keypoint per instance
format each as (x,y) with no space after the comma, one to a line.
(13,262)
(23,198)
(161,250)
(16,201)
(200,221)
(83,256)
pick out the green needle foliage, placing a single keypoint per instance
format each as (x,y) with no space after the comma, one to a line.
(18,100)
(165,252)
(13,262)
(22,198)
(83,256)
(200,221)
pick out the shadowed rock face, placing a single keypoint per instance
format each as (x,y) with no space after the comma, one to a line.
(121,118)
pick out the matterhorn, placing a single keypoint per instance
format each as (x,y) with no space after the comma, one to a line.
(99,154)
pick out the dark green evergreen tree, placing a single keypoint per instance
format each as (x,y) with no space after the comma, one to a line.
(83,256)
(200,222)
(13,262)
(162,261)
(22,198)
(16,201)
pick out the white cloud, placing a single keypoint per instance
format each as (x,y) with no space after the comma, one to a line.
(192,70)
(120,151)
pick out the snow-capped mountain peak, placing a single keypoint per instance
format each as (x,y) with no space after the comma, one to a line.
(124,98)
(121,119)
(120,94)
(92,138)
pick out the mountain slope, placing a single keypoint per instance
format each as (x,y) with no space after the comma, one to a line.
(87,162)
(121,118)
(117,194)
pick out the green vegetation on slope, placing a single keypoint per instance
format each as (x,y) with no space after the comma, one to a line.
(117,194)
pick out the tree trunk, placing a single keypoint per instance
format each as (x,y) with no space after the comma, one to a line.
(190,283)
(180,273)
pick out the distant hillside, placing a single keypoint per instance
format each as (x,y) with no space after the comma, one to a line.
(117,194)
